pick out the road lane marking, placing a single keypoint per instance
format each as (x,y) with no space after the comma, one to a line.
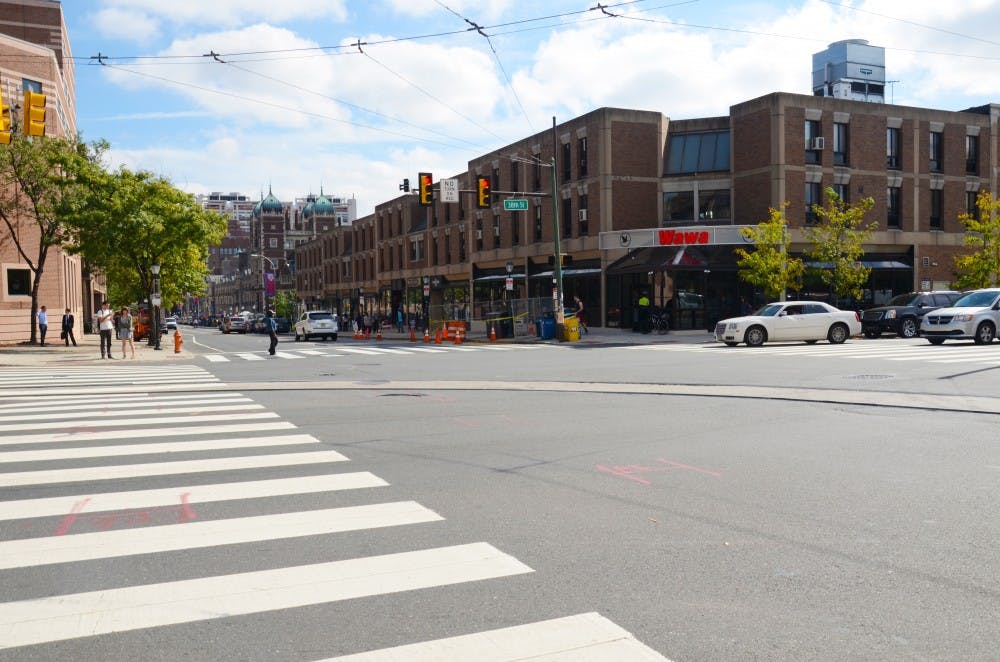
(61,617)
(110,416)
(110,407)
(355,350)
(96,434)
(33,552)
(169,496)
(247,356)
(286,355)
(589,637)
(115,472)
(216,358)
(151,420)
(155,448)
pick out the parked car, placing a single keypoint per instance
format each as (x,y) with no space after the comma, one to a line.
(790,320)
(169,324)
(234,324)
(317,323)
(976,315)
(903,314)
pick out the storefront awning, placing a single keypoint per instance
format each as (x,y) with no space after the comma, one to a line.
(643,260)
(569,272)
(482,279)
(871,264)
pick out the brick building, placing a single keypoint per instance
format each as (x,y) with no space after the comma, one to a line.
(35,55)
(625,175)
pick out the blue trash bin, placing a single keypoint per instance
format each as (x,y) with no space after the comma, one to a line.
(547,328)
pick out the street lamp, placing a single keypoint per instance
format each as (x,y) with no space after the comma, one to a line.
(263,285)
(155,268)
(510,297)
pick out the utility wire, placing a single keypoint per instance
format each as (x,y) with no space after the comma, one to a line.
(271,104)
(913,23)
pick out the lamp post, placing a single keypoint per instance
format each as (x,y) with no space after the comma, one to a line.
(510,296)
(155,268)
(263,284)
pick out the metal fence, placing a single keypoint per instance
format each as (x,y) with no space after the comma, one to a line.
(515,317)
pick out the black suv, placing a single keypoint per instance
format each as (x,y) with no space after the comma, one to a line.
(903,313)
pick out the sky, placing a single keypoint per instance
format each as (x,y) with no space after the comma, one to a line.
(352,97)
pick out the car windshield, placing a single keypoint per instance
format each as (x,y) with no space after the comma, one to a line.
(235,319)
(907,299)
(770,310)
(321,316)
(976,300)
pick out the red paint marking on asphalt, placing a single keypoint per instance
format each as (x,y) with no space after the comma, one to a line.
(623,471)
(468,424)
(679,465)
(74,513)
(186,511)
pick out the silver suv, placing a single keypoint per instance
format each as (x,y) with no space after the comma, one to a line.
(976,315)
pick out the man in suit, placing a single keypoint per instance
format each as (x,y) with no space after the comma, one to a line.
(67,328)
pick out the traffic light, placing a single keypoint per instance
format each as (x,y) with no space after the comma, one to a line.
(565,262)
(4,122)
(482,192)
(405,186)
(426,180)
(34,113)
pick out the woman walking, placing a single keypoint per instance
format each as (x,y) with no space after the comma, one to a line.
(125,330)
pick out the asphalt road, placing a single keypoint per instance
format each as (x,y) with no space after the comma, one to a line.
(844,513)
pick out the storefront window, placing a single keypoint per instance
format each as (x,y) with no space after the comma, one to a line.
(713,205)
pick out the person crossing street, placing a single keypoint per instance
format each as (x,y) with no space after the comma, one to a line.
(272,331)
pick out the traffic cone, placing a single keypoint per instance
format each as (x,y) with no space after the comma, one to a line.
(458,336)
(378,333)
(493,333)
(368,334)
(427,335)
(413,334)
(437,336)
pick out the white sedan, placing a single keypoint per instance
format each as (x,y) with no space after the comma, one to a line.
(790,320)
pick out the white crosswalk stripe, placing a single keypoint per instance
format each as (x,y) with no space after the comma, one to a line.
(369,350)
(106,518)
(889,349)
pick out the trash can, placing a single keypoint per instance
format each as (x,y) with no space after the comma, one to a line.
(571,329)
(546,328)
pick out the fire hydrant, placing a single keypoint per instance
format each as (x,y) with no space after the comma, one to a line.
(178,341)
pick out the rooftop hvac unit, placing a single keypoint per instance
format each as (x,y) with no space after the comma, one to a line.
(817,143)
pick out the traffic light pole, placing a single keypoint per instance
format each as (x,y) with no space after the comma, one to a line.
(557,280)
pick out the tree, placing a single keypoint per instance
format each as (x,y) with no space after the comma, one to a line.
(768,266)
(40,193)
(134,220)
(838,243)
(981,268)
(284,304)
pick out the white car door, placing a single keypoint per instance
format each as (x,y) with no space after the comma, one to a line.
(788,324)
(818,320)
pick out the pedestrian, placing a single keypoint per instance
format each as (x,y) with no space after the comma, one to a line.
(68,322)
(105,324)
(43,324)
(644,312)
(745,307)
(271,326)
(579,314)
(367,323)
(125,330)
(399,319)
(117,328)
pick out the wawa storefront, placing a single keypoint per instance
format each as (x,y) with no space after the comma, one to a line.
(689,271)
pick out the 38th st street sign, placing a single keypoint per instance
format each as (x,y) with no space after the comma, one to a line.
(515,204)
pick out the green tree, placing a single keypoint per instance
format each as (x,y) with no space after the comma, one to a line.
(137,219)
(838,244)
(981,268)
(40,193)
(284,304)
(769,266)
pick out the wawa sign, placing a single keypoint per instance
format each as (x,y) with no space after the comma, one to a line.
(693,235)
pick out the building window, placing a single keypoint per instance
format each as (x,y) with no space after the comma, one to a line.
(567,217)
(972,155)
(567,164)
(714,205)
(18,282)
(495,184)
(689,153)
(812,136)
(538,222)
(893,197)
(479,234)
(971,208)
(936,209)
(496,230)
(536,172)
(28,85)
(462,253)
(937,151)
(840,144)
(515,176)
(581,152)
(843,192)
(416,250)
(892,149)
(678,206)
(814,194)
(584,227)
(274,242)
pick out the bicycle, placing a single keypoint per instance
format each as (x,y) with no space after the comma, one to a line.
(659,321)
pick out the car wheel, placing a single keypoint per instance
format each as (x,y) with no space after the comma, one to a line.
(908,328)
(224,332)
(935,341)
(731,343)
(985,333)
(297,336)
(838,334)
(872,334)
(755,336)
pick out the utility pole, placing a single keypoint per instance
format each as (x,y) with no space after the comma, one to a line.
(557,275)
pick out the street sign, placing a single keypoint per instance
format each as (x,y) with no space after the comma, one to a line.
(427,290)
(510,283)
(156,300)
(449,190)
(515,204)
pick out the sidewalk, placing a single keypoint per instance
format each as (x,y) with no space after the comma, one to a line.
(88,352)
(597,336)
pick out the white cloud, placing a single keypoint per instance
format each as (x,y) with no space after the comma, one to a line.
(119,23)
(233,12)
